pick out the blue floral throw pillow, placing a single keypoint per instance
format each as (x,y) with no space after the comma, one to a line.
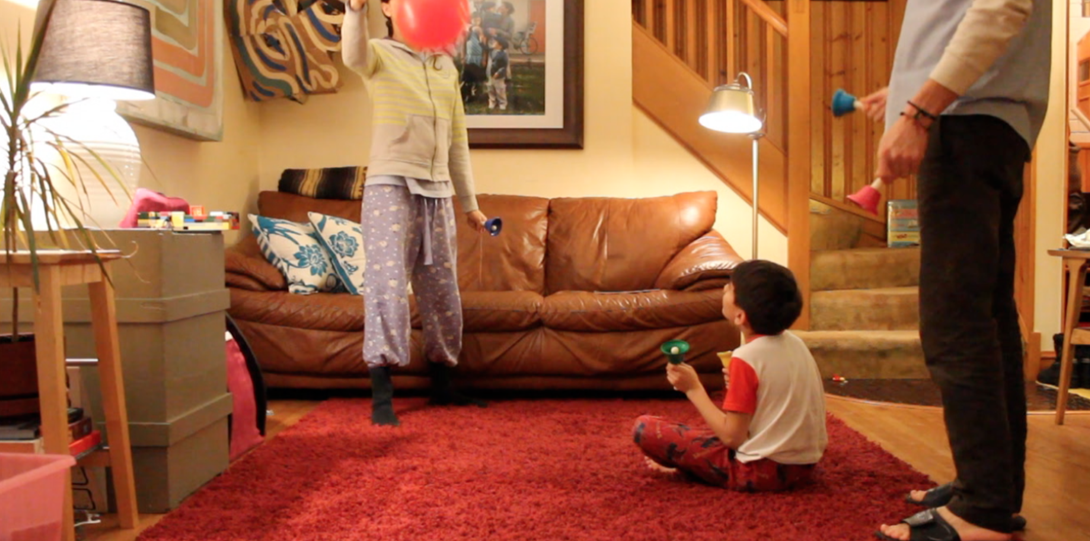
(296,251)
(344,240)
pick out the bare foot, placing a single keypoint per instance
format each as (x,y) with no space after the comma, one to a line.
(658,467)
(919,495)
(966,531)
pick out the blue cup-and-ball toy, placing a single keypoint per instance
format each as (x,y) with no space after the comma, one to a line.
(675,350)
(493,226)
(844,103)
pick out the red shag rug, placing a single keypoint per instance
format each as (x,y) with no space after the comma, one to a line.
(519,470)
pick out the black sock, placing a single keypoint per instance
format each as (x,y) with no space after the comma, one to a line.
(382,395)
(442,391)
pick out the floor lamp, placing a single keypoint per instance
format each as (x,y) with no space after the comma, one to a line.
(731,110)
(95,53)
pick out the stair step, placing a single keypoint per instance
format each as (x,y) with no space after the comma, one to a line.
(864,268)
(867,354)
(883,309)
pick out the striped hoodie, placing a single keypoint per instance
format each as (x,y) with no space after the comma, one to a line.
(418,125)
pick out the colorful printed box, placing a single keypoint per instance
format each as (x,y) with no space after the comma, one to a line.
(902,224)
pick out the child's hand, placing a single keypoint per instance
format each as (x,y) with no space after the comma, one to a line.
(476,220)
(683,377)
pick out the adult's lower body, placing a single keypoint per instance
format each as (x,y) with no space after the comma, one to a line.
(969,189)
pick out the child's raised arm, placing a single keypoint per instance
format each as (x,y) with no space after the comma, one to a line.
(355,44)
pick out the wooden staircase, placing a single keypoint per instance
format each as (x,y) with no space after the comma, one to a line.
(798,53)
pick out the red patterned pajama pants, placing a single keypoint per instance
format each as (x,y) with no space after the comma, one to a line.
(699,453)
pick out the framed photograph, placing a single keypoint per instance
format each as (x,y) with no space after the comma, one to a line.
(187,46)
(522,73)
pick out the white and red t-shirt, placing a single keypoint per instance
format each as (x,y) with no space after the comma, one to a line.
(775,379)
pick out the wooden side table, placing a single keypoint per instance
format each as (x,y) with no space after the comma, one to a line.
(1075,266)
(55,270)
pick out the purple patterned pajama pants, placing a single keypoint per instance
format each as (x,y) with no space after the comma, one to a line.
(407,237)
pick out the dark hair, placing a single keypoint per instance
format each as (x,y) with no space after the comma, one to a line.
(389,22)
(768,294)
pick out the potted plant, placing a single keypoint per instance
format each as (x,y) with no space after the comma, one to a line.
(37,163)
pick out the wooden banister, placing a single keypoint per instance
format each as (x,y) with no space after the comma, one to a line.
(766,14)
(705,43)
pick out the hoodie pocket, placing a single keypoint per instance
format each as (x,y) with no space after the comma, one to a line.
(415,142)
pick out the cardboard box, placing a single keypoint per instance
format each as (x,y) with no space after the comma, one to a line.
(171,302)
(902,223)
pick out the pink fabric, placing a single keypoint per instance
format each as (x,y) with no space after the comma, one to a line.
(145,200)
(244,432)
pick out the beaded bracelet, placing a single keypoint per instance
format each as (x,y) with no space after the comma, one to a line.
(920,111)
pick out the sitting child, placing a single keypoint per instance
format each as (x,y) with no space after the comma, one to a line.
(772,432)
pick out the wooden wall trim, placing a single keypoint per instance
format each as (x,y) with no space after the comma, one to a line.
(798,150)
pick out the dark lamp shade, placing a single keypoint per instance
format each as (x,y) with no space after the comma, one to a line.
(97,48)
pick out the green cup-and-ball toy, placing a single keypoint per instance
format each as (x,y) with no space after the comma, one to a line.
(675,350)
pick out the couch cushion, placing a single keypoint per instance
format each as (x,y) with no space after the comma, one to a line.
(630,311)
(296,251)
(320,311)
(615,244)
(515,259)
(292,207)
(325,183)
(501,311)
(344,242)
(492,311)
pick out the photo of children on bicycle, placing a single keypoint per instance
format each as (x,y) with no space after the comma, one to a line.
(502,58)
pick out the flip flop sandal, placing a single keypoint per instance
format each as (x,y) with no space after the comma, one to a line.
(936,497)
(926,525)
(942,494)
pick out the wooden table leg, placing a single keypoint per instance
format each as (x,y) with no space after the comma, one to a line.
(1076,276)
(52,389)
(104,323)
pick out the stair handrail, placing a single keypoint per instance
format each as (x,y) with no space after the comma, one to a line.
(769,16)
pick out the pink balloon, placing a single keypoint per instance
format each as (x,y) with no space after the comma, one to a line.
(431,25)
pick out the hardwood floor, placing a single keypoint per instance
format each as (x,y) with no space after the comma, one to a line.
(1057,461)
(1057,469)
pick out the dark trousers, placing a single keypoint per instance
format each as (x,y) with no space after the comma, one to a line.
(969,187)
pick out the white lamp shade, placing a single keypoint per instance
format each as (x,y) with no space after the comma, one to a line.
(730,122)
(731,110)
(96,124)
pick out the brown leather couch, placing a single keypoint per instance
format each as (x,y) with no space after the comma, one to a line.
(575,293)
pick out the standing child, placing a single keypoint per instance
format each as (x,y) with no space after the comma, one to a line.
(771,431)
(473,70)
(419,160)
(497,74)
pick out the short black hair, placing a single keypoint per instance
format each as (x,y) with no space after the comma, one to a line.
(768,294)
